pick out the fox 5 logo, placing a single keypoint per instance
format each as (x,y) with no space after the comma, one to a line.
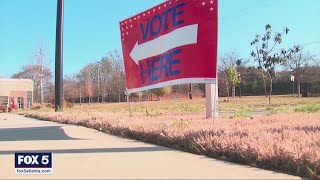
(33,160)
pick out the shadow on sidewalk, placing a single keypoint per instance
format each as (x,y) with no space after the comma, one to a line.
(95,150)
(34,134)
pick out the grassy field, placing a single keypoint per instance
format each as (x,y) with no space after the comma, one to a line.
(239,107)
(283,137)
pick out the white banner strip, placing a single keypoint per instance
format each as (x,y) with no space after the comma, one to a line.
(174,82)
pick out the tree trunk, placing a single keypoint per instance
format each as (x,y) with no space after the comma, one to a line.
(190,91)
(299,88)
(233,92)
(270,91)
(41,89)
(228,92)
(264,83)
(227,86)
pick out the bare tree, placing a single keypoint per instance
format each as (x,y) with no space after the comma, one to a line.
(41,66)
(85,78)
(101,78)
(38,71)
(70,88)
(105,77)
(118,78)
(298,64)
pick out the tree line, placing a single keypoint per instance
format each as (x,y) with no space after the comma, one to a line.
(269,71)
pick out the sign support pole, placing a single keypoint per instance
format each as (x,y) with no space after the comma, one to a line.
(211,101)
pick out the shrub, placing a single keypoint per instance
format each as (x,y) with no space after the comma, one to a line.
(286,143)
(161,91)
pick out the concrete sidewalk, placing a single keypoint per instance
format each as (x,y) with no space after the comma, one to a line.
(82,153)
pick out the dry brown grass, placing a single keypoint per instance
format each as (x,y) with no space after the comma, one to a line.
(286,142)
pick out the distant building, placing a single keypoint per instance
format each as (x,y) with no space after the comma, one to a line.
(18,92)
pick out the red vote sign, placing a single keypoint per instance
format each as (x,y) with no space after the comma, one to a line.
(170,44)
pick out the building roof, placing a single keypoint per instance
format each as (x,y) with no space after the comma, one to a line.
(9,85)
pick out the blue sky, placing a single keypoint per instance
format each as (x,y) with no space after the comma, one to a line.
(91,27)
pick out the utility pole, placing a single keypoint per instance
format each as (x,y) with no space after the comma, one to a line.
(293,88)
(239,77)
(80,97)
(40,57)
(41,79)
(41,89)
(98,82)
(59,58)
(292,80)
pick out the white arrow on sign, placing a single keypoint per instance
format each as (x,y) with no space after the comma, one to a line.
(179,37)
